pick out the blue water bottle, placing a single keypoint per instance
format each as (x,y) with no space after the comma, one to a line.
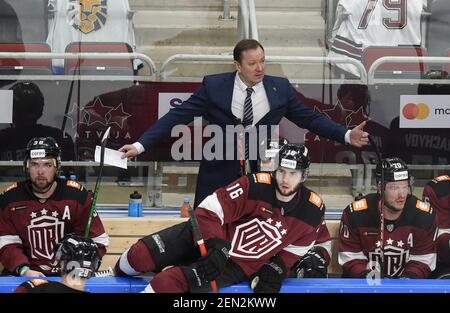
(135,205)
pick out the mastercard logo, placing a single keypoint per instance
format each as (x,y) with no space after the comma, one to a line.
(419,111)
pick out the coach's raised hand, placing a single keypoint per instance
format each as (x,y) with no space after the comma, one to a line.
(359,137)
(129,151)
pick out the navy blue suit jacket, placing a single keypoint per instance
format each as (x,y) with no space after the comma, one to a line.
(212,101)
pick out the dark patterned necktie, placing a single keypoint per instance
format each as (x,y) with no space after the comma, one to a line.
(248,117)
(248,110)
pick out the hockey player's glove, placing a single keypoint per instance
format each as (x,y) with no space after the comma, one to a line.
(312,265)
(270,277)
(210,266)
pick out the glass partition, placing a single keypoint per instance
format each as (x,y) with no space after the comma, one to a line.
(83,66)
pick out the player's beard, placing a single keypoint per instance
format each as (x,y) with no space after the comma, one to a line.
(289,193)
(42,187)
(394,209)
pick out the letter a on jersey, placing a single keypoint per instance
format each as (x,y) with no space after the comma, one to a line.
(66,214)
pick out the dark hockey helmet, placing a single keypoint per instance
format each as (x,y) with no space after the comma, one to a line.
(80,256)
(28,102)
(269,152)
(394,169)
(295,156)
(42,148)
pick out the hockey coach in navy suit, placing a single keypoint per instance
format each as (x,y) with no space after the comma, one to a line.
(247,97)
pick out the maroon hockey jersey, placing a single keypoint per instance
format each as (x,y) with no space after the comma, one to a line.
(248,214)
(437,193)
(408,242)
(30,227)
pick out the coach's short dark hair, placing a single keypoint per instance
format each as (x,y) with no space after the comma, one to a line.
(244,45)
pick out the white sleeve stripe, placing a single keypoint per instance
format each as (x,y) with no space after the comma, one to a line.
(211,203)
(103,239)
(326,245)
(442,231)
(125,266)
(298,250)
(427,259)
(9,240)
(345,257)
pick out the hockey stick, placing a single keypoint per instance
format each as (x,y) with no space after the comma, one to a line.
(77,71)
(200,242)
(245,164)
(97,183)
(380,161)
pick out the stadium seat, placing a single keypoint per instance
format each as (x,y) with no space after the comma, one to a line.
(87,66)
(399,69)
(15,66)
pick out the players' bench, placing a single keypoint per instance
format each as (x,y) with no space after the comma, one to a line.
(123,232)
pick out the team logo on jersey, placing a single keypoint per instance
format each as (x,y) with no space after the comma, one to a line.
(43,234)
(87,16)
(395,259)
(256,238)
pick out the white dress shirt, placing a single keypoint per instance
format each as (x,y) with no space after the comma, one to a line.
(260,103)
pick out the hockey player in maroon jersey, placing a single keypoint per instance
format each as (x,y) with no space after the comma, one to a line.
(409,229)
(78,259)
(37,213)
(256,229)
(437,194)
(315,263)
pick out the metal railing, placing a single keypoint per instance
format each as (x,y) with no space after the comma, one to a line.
(371,79)
(247,25)
(80,55)
(164,71)
(226,11)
